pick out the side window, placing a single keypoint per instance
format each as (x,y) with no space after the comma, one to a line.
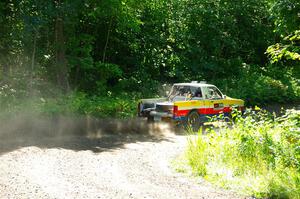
(205,92)
(215,93)
(197,93)
(184,91)
(212,93)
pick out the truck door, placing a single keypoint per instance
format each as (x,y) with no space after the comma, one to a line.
(214,101)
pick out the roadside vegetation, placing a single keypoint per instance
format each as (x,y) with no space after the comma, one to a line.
(13,101)
(257,155)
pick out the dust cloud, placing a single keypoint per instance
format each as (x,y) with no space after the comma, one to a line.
(76,132)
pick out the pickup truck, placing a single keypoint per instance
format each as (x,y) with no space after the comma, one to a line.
(189,103)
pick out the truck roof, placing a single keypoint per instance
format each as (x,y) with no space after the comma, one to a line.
(193,84)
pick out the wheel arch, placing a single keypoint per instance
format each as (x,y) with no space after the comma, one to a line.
(193,110)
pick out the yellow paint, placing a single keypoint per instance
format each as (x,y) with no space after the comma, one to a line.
(208,103)
(190,104)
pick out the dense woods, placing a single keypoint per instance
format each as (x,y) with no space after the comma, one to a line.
(111,48)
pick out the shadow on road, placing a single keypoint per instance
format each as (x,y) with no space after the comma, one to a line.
(76,133)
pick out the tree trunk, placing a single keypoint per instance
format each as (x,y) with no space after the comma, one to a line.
(61,61)
(77,74)
(33,61)
(107,39)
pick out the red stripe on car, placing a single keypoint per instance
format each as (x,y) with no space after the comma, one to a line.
(202,111)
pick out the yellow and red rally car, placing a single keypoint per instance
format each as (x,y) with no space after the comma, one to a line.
(191,103)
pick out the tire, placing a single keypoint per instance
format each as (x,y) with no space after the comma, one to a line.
(193,121)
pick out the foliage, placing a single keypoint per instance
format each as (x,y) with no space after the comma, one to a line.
(101,107)
(23,94)
(288,51)
(122,106)
(285,51)
(258,155)
(258,88)
(285,14)
(117,46)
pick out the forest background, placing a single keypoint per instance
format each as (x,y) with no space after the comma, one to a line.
(99,57)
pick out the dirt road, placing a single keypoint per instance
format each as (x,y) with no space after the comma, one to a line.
(104,166)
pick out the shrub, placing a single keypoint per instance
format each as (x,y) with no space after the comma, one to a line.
(258,155)
(121,106)
(257,88)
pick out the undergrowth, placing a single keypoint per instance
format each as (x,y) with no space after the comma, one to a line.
(258,155)
(122,106)
(117,106)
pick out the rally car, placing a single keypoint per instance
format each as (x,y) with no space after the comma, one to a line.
(189,103)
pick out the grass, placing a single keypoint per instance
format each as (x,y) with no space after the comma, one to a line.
(259,155)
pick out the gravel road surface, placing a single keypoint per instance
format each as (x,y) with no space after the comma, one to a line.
(117,165)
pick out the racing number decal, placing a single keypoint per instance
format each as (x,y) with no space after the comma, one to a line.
(218,106)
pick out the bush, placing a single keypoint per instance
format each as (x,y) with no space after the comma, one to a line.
(122,106)
(257,88)
(258,155)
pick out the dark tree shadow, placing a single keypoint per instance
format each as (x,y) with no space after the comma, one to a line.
(279,109)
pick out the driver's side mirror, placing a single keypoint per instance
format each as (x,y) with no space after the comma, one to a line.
(224,96)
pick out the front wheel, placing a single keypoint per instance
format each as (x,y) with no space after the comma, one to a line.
(193,121)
